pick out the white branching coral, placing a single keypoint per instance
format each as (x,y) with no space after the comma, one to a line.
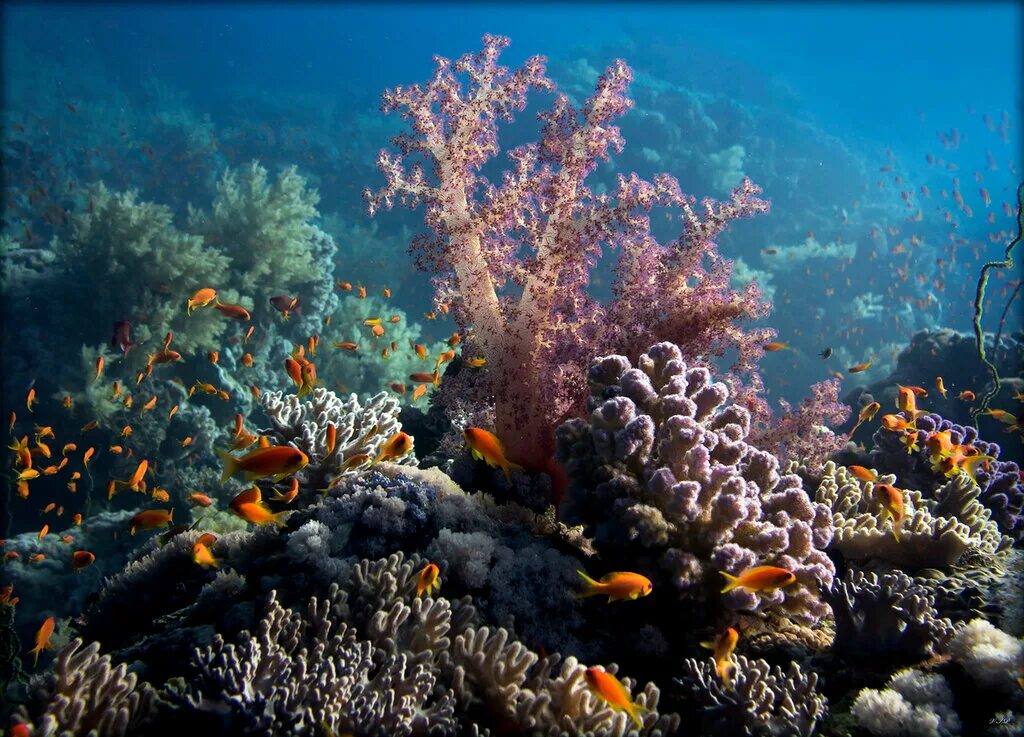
(361,428)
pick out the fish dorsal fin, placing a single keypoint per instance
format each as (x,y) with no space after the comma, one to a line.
(249,496)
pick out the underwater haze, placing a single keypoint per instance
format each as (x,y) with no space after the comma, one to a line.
(512,369)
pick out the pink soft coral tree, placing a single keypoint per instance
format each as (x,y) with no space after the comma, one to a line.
(513,260)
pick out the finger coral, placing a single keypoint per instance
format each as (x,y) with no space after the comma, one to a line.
(90,697)
(763,700)
(937,531)
(361,428)
(663,469)
(372,658)
(888,615)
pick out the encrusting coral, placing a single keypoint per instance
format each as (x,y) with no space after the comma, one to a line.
(662,470)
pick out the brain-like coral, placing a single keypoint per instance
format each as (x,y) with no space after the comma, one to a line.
(663,470)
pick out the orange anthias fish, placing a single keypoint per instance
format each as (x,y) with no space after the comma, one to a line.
(906,401)
(896,423)
(940,386)
(150,519)
(249,506)
(860,367)
(863,474)
(867,413)
(200,500)
(236,312)
(394,447)
(201,553)
(775,346)
(759,578)
(289,496)
(429,580)
(891,500)
(723,647)
(276,461)
(82,559)
(135,483)
(43,637)
(608,688)
(967,395)
(485,446)
(617,586)
(201,298)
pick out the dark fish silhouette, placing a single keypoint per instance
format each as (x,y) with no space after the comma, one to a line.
(122,337)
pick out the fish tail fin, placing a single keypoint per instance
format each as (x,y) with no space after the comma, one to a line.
(896,531)
(36,650)
(281,518)
(634,711)
(593,587)
(230,465)
(708,644)
(731,581)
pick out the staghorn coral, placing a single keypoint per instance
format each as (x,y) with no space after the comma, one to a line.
(361,429)
(937,531)
(662,469)
(888,615)
(913,704)
(372,658)
(763,700)
(87,696)
(991,657)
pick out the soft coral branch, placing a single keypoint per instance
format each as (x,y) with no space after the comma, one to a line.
(543,229)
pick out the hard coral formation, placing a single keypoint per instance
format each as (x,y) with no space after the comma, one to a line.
(361,428)
(887,616)
(913,704)
(87,696)
(938,529)
(762,699)
(1001,488)
(372,658)
(664,471)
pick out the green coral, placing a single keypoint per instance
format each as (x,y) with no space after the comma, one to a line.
(147,264)
(264,228)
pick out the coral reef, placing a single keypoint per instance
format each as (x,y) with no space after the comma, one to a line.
(937,531)
(88,696)
(886,615)
(361,429)
(663,470)
(913,704)
(763,700)
(1001,488)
